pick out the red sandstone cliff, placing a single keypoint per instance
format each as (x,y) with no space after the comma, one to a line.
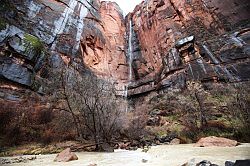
(108,58)
(179,40)
(172,41)
(85,34)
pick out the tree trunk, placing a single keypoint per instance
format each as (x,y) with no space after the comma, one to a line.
(201,108)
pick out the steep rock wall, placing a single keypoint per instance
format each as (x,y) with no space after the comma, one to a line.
(180,40)
(39,35)
(109,58)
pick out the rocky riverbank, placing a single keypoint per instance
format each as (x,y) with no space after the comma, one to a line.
(174,155)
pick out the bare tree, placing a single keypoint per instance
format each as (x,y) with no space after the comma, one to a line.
(199,95)
(238,110)
(58,96)
(92,103)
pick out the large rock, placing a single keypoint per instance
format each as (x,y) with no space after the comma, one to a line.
(166,138)
(66,156)
(154,121)
(238,163)
(242,163)
(229,163)
(202,163)
(205,163)
(175,141)
(216,141)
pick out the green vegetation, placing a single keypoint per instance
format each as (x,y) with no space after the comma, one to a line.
(224,109)
(33,43)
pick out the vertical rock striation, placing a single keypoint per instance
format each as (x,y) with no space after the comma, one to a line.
(103,48)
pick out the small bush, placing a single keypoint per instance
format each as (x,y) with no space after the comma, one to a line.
(30,121)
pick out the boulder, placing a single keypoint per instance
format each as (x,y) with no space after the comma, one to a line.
(238,163)
(216,141)
(205,163)
(66,156)
(242,162)
(202,163)
(175,141)
(166,138)
(229,163)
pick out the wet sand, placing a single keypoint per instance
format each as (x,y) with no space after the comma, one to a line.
(163,155)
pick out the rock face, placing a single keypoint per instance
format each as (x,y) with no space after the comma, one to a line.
(183,40)
(66,156)
(37,34)
(40,36)
(216,141)
(171,41)
(103,48)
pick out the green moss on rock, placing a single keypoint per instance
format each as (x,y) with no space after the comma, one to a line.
(34,48)
(32,42)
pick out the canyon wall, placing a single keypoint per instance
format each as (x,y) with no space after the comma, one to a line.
(38,36)
(181,40)
(172,41)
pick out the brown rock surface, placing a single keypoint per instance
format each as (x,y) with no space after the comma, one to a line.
(95,35)
(175,141)
(216,141)
(66,156)
(103,51)
(215,26)
(88,34)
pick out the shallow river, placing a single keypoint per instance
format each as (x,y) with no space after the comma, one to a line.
(163,155)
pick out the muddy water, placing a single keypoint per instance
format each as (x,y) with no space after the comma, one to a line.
(164,155)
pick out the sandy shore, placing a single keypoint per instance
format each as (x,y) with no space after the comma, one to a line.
(163,155)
